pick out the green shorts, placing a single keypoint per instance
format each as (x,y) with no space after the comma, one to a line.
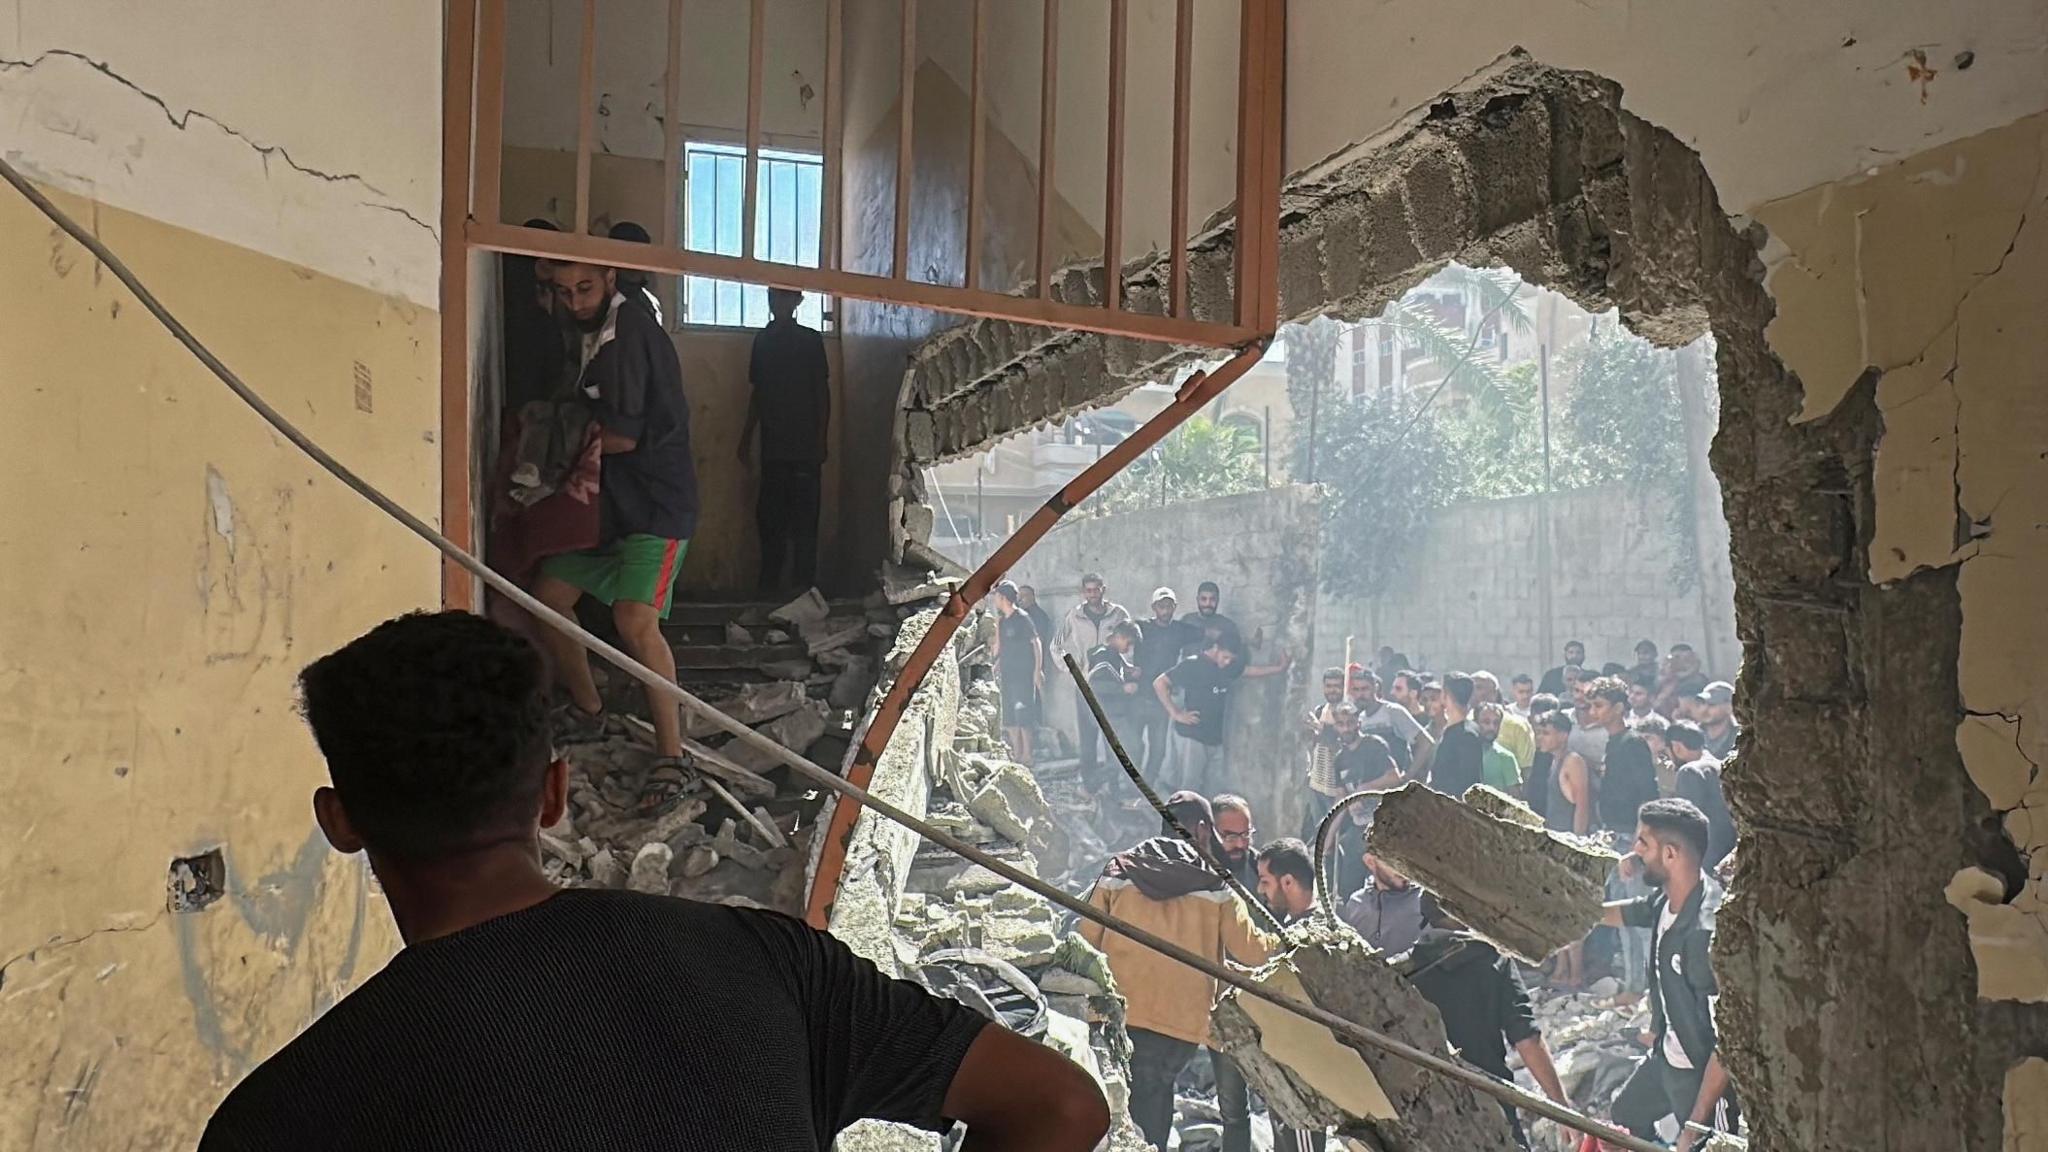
(639,568)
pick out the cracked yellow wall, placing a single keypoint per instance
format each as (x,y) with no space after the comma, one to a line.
(167,564)
(1934,274)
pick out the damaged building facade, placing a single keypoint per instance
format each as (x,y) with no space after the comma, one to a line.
(1850,197)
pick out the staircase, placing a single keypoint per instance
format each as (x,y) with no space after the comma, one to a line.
(797,673)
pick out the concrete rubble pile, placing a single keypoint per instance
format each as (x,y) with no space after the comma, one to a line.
(741,833)
(981,796)
(1494,866)
(1594,1045)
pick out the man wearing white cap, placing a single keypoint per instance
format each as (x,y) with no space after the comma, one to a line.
(1160,641)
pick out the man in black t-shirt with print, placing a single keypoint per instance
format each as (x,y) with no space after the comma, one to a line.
(647,494)
(522,1015)
(1203,679)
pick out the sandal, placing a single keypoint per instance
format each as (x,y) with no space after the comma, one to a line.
(664,787)
(572,725)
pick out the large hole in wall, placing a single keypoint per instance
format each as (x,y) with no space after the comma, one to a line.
(1849,1015)
(1474,478)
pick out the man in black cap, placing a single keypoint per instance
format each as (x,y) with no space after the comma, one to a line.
(1717,718)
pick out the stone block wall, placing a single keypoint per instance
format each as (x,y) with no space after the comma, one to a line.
(1474,595)
(1261,548)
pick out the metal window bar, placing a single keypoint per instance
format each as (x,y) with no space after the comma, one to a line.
(1260,78)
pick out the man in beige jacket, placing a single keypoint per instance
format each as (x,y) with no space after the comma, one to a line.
(1165,886)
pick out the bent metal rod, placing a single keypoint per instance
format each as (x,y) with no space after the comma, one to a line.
(662,686)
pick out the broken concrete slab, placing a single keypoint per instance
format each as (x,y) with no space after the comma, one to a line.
(794,731)
(735,634)
(1529,891)
(753,704)
(834,633)
(804,609)
(851,686)
(1312,1079)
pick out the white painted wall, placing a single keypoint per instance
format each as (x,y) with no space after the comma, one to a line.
(1777,97)
(543,41)
(303,129)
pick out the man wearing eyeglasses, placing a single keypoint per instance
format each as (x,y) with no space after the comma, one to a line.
(1235,834)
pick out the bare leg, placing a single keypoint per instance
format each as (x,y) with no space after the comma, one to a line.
(640,628)
(572,667)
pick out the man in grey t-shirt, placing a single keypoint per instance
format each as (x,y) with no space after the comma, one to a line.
(1410,743)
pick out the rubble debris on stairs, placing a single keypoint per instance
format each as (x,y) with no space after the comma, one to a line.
(741,832)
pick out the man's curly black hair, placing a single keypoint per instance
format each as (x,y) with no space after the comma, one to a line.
(434,726)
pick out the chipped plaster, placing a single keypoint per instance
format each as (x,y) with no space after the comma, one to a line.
(342,179)
(1931,275)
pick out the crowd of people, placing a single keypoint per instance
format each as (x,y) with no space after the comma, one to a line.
(1164,681)
(1630,756)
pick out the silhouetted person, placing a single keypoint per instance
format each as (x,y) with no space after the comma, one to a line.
(524,1015)
(791,404)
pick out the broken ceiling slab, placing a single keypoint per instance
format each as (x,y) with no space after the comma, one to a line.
(1311,1079)
(1526,889)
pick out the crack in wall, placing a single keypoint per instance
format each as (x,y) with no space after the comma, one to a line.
(182,123)
(59,943)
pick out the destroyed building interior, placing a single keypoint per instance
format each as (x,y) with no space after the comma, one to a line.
(1841,203)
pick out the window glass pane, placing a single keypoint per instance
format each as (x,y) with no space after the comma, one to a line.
(731,202)
(790,198)
(807,215)
(782,221)
(699,216)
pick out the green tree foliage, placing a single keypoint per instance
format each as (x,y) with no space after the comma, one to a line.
(1392,463)
(1199,460)
(1311,386)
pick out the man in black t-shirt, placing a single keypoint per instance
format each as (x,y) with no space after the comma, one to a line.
(1461,755)
(1627,780)
(1203,679)
(696,1027)
(791,404)
(647,494)
(1484,1006)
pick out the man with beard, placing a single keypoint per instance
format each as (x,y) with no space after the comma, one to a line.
(1412,745)
(1161,640)
(1235,833)
(648,510)
(1164,886)
(1084,629)
(1682,1076)
(1717,718)
(1574,657)
(1386,909)
(1287,883)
